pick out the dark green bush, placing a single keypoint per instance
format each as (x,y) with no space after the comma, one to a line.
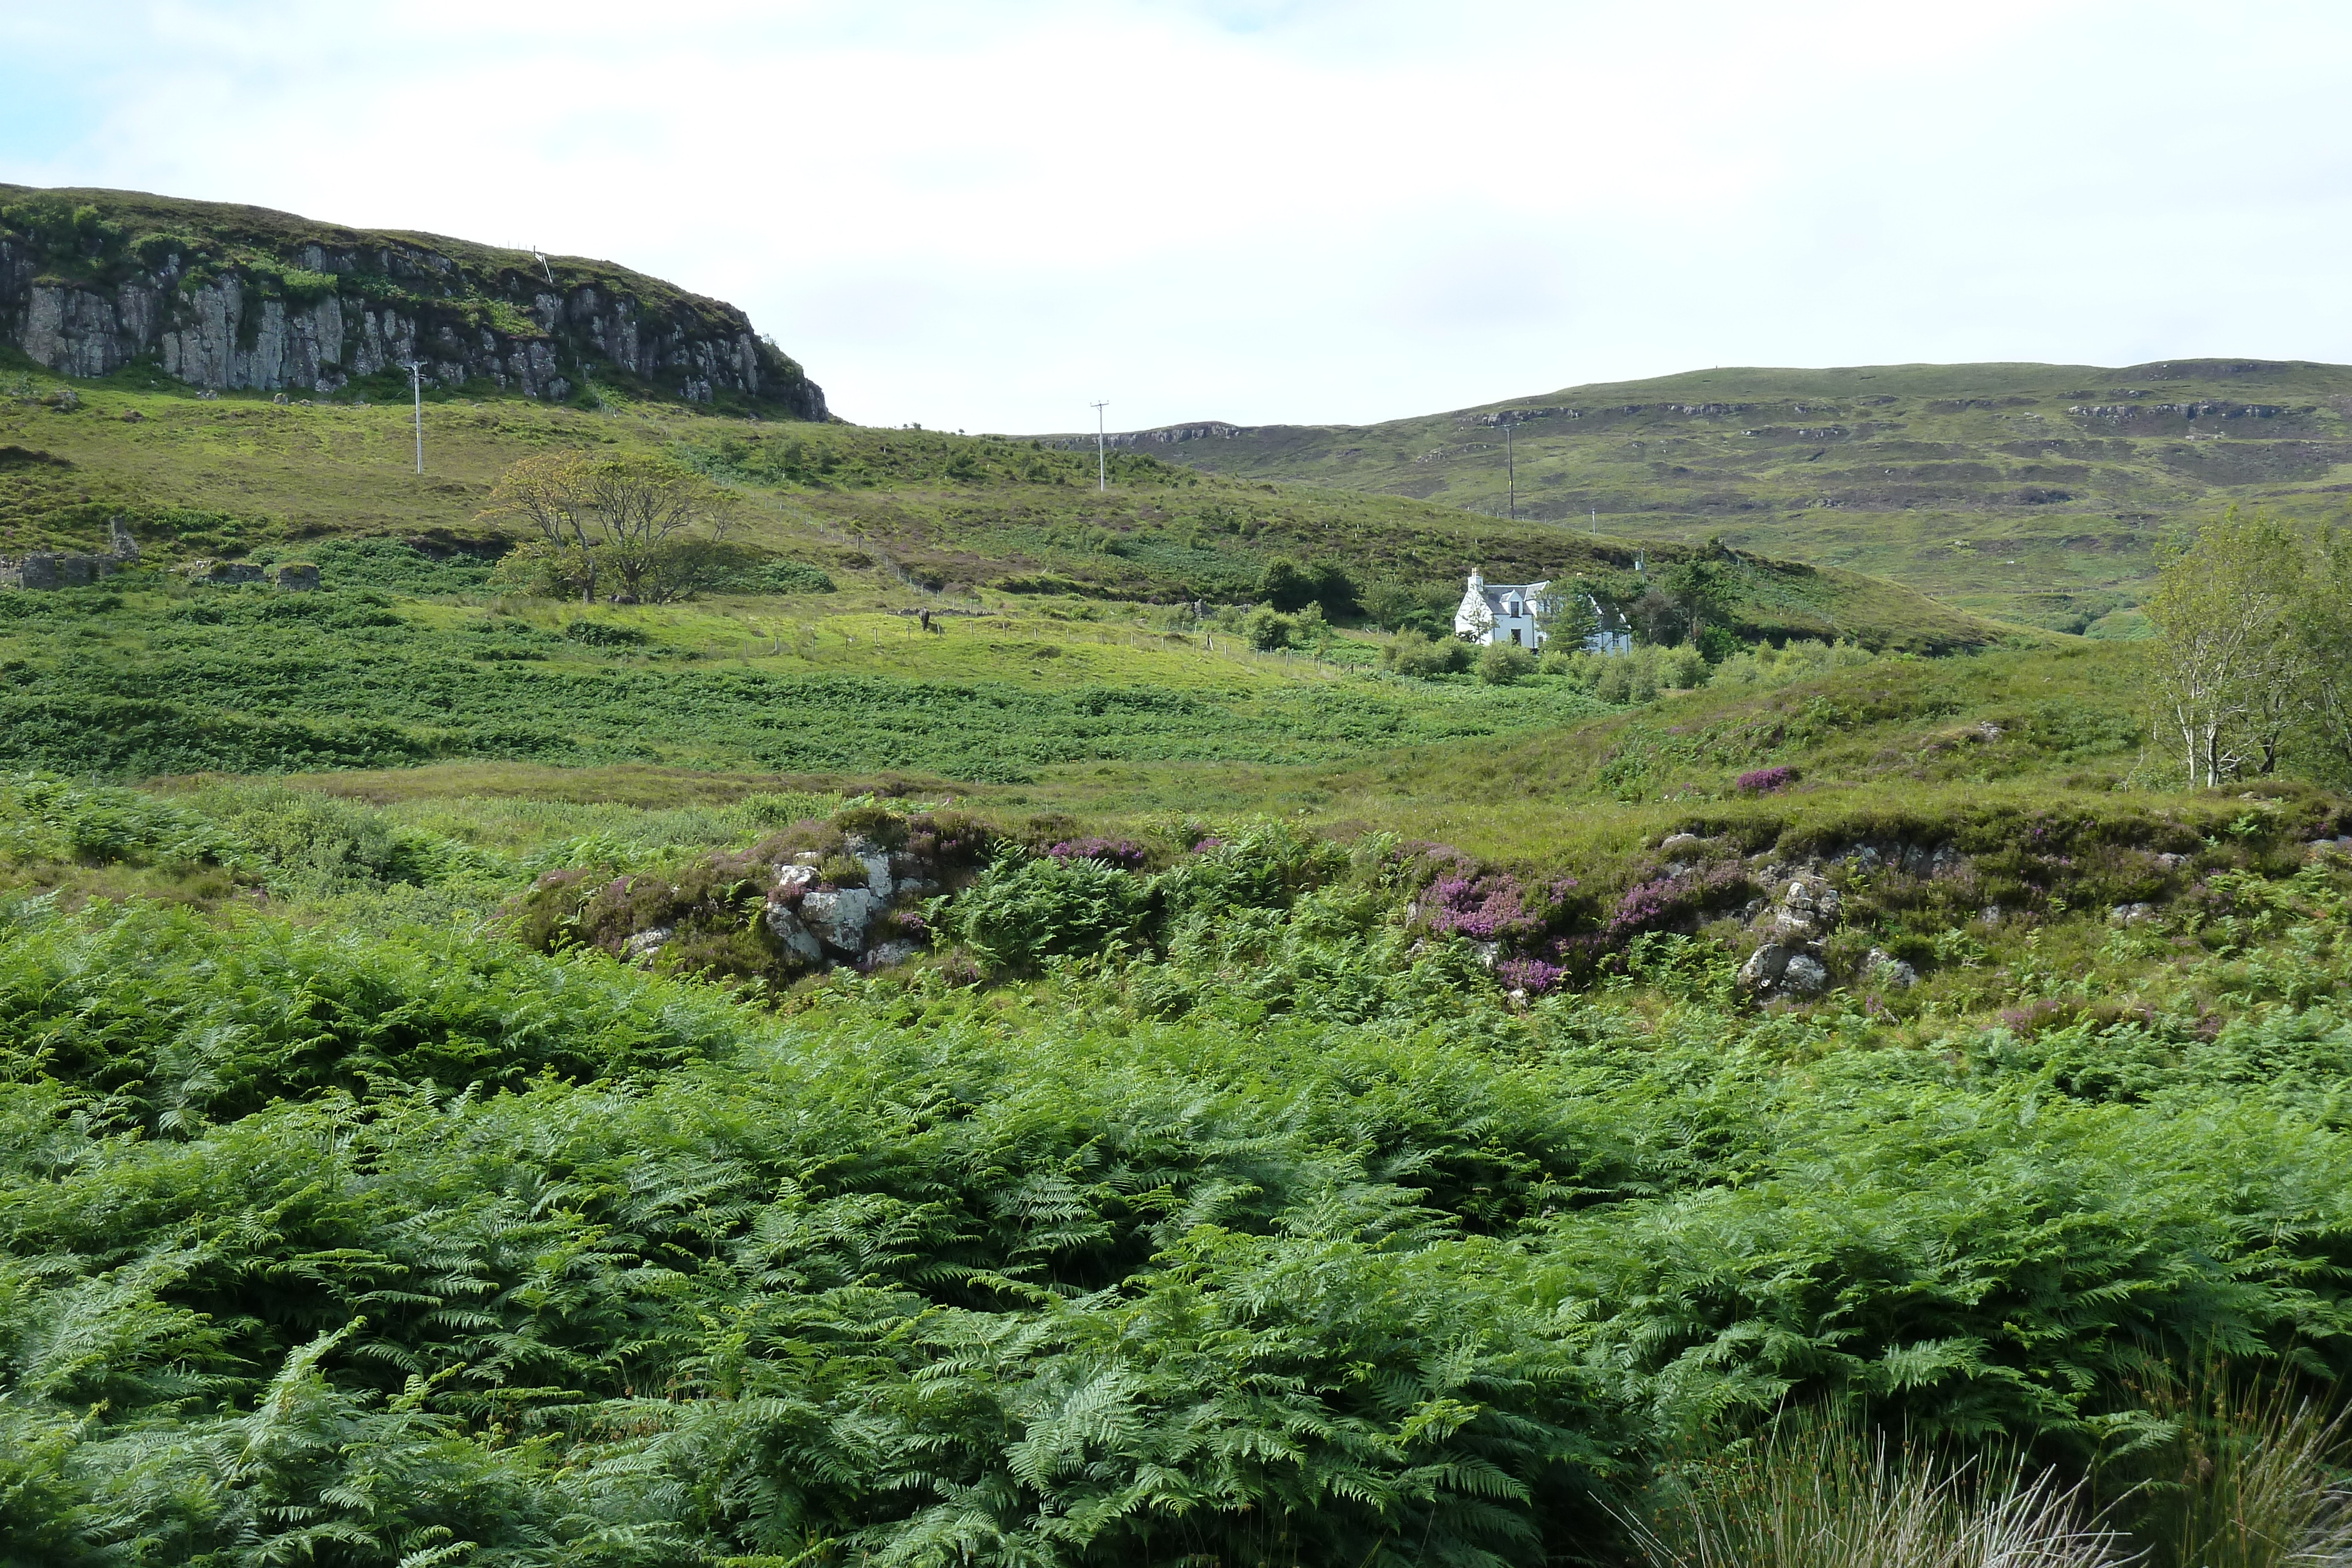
(1504,664)
(1412,653)
(605,634)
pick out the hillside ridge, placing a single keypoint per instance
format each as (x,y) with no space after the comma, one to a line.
(2030,492)
(227,296)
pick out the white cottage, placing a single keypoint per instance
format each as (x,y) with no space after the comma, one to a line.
(1512,612)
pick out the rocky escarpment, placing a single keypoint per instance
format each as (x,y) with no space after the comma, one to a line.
(225,296)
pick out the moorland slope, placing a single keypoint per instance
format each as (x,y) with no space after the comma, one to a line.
(2029,492)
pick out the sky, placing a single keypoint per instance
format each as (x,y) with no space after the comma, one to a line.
(987,215)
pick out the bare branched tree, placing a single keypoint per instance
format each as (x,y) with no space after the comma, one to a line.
(641,519)
(546,493)
(648,508)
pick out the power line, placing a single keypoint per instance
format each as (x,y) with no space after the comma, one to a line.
(1102,466)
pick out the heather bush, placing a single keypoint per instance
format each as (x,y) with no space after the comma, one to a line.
(1492,905)
(1670,900)
(1124,853)
(1765,780)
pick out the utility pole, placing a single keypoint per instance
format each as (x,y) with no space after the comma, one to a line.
(1102,464)
(1511,465)
(416,390)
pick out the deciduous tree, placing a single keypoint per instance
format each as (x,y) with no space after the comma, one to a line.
(643,518)
(2229,670)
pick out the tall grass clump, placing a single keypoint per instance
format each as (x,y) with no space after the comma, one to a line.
(2262,1480)
(1820,1491)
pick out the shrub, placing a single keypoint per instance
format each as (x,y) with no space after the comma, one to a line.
(1667,901)
(1413,653)
(1267,630)
(1459,898)
(779,577)
(1765,666)
(604,635)
(955,842)
(1396,606)
(1580,668)
(1682,668)
(1765,780)
(1502,664)
(1639,674)
(1287,586)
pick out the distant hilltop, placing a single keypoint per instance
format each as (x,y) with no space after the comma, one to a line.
(1159,436)
(1997,386)
(225,296)
(2033,492)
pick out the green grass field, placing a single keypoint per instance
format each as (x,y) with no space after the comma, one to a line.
(137,682)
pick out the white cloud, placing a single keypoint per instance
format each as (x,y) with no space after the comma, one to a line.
(981,216)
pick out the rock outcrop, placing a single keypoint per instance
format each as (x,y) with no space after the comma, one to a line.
(824,923)
(223,297)
(51,569)
(1788,961)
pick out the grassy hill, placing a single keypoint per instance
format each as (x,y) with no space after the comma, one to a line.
(900,513)
(2026,492)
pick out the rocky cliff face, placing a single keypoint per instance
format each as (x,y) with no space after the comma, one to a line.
(227,297)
